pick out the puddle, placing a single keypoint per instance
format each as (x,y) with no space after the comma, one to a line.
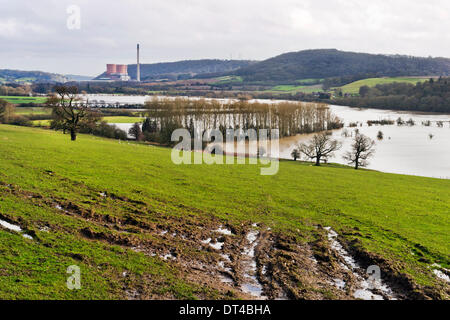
(339,283)
(168,256)
(365,287)
(15,228)
(439,273)
(251,284)
(10,226)
(224,231)
(57,206)
(207,241)
(218,245)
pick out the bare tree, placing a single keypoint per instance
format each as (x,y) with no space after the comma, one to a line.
(321,147)
(362,149)
(68,110)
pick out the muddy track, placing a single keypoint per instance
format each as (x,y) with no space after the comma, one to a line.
(246,261)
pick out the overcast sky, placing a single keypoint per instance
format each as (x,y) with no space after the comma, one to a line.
(34,34)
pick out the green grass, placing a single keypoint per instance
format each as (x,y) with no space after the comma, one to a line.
(308,81)
(123,119)
(295,89)
(25,99)
(396,214)
(41,123)
(229,79)
(33,111)
(353,87)
(119,119)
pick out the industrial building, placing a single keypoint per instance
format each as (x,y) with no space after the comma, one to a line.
(116,72)
(119,72)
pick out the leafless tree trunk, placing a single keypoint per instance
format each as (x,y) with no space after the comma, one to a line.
(362,149)
(320,147)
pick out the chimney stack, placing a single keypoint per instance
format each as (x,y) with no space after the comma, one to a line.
(138,74)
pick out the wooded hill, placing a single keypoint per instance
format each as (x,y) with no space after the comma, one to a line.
(331,63)
(186,69)
(429,96)
(18,76)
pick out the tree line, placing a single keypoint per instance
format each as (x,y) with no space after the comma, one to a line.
(428,96)
(321,147)
(166,115)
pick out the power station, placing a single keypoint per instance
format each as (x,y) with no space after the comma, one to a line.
(119,72)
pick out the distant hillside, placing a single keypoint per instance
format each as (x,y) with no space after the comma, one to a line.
(17,76)
(186,69)
(329,63)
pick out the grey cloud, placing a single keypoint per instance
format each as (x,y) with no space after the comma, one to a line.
(34,33)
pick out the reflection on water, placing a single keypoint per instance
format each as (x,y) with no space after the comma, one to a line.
(404,149)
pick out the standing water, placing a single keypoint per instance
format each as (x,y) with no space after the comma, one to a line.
(422,150)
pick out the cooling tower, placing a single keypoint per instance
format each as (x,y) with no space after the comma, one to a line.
(111,68)
(122,69)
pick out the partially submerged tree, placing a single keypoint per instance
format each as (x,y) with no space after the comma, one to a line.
(6,110)
(320,147)
(136,132)
(362,149)
(380,135)
(68,110)
(295,154)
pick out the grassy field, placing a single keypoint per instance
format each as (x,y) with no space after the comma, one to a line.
(92,202)
(28,111)
(123,119)
(119,119)
(353,87)
(294,89)
(18,100)
(228,79)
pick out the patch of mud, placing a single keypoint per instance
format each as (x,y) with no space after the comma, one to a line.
(366,289)
(250,283)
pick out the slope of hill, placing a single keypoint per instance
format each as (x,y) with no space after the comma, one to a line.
(328,63)
(18,76)
(186,69)
(140,233)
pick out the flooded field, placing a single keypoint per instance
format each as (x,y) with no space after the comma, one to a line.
(421,149)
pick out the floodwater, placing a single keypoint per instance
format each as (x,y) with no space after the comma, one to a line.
(413,150)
